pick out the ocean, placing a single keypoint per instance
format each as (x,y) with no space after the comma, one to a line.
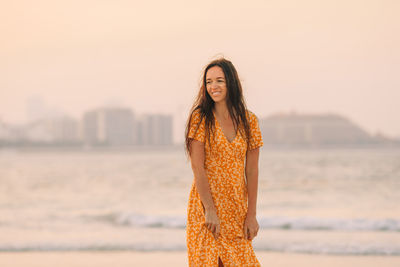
(320,201)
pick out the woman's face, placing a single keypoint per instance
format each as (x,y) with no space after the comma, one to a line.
(216,84)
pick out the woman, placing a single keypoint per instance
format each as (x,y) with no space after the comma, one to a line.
(222,141)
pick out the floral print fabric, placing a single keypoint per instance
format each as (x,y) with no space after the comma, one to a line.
(225,170)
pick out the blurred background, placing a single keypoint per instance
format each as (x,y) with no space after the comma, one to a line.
(94,96)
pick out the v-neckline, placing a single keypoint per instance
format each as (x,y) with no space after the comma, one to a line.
(222,130)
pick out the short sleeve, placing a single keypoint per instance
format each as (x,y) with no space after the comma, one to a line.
(256,137)
(196,130)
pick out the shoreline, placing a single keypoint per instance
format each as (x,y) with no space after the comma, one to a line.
(150,259)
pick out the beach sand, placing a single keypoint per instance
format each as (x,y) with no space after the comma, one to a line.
(150,259)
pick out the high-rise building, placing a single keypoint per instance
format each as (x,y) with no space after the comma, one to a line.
(154,129)
(108,126)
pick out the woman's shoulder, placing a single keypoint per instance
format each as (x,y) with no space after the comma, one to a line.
(196,115)
(196,112)
(250,115)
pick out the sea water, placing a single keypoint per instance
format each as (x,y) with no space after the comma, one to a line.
(322,201)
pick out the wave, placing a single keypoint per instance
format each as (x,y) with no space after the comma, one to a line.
(272,222)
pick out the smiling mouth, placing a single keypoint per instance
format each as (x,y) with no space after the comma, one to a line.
(216,93)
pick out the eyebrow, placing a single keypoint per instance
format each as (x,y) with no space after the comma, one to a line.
(217,78)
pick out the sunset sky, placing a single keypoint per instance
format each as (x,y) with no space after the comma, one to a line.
(307,56)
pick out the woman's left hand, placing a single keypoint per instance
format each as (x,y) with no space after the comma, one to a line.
(250,227)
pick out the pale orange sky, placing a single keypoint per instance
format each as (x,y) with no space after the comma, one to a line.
(309,56)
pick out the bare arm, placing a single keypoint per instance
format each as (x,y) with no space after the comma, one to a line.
(252,179)
(251,225)
(197,159)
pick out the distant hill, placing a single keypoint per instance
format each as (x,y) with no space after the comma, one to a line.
(292,129)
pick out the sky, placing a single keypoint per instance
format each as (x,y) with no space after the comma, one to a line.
(307,56)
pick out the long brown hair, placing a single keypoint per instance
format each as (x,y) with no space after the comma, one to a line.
(234,100)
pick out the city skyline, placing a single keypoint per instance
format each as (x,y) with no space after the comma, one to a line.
(102,126)
(42,116)
(47,110)
(120,127)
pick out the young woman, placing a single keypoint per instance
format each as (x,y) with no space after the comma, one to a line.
(222,141)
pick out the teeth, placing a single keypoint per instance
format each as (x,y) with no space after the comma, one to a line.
(216,93)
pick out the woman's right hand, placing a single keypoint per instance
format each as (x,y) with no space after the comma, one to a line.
(212,222)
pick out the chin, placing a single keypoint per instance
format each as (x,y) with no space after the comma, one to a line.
(218,100)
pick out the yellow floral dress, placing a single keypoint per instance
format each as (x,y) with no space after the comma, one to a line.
(225,169)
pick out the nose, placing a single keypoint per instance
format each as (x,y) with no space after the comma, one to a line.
(213,85)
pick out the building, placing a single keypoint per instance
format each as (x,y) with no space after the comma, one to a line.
(300,129)
(108,126)
(56,130)
(154,130)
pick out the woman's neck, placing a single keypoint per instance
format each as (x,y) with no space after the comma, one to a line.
(221,110)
